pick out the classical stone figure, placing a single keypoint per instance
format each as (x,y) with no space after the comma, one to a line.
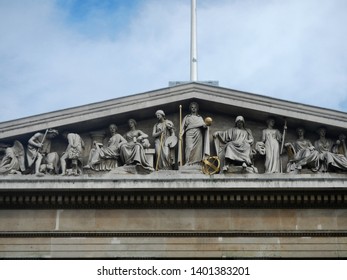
(341,145)
(73,153)
(39,153)
(234,146)
(272,139)
(106,158)
(132,152)
(165,141)
(328,151)
(196,134)
(13,160)
(302,153)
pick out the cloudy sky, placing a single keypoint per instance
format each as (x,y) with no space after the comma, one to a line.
(57,54)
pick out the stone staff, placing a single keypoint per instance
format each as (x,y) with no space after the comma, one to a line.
(180,138)
(283,138)
(160,148)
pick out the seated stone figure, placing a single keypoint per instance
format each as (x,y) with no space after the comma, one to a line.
(132,152)
(330,158)
(39,155)
(302,153)
(234,146)
(13,160)
(106,158)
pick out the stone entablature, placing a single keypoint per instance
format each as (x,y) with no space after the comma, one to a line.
(184,191)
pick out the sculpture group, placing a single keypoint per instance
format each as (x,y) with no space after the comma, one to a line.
(178,148)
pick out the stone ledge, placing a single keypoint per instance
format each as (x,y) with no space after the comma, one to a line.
(174,182)
(172,191)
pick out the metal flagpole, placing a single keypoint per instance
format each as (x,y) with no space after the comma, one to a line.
(193,48)
(193,51)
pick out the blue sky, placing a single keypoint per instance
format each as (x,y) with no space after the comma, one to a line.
(57,54)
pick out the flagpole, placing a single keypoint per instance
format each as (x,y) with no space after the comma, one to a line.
(193,43)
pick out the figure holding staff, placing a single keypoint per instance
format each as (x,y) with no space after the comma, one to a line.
(39,152)
(165,141)
(272,139)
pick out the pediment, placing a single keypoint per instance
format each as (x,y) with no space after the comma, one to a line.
(212,100)
(221,104)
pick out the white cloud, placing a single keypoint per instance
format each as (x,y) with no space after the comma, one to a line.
(293,50)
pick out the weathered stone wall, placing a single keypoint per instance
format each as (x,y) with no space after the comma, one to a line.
(180,233)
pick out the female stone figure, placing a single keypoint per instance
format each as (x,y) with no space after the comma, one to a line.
(13,160)
(341,145)
(272,138)
(234,146)
(99,154)
(196,136)
(328,151)
(305,153)
(165,141)
(132,152)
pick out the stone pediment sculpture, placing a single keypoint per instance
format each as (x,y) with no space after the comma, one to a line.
(249,134)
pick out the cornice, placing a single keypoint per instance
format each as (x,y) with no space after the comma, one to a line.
(157,98)
(172,193)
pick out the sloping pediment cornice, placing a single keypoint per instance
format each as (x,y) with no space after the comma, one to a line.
(211,98)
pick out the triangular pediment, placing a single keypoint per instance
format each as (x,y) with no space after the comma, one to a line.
(212,100)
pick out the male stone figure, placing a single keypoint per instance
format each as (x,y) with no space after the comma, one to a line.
(73,152)
(234,146)
(39,152)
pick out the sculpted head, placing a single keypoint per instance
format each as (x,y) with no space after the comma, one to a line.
(322,131)
(132,123)
(270,122)
(239,122)
(160,114)
(300,131)
(194,107)
(113,128)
